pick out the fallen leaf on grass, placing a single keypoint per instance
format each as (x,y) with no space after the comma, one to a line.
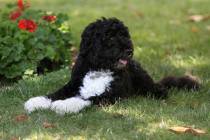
(167,52)
(180,49)
(198,18)
(118,116)
(175,22)
(138,13)
(194,29)
(135,11)
(14,138)
(194,104)
(184,130)
(21,118)
(48,125)
(208,27)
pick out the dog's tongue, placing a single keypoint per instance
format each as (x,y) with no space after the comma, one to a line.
(124,62)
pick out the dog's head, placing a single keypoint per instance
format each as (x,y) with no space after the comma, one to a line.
(106,44)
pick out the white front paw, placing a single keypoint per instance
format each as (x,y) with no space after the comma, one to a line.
(71,105)
(35,103)
(59,107)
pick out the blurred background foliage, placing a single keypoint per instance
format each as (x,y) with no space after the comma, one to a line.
(165,41)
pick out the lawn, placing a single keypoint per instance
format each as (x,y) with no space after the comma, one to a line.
(166,43)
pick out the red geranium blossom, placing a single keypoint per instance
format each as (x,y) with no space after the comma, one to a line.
(49,18)
(20,4)
(29,25)
(14,15)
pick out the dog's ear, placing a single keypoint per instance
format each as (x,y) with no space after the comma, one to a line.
(84,47)
(90,39)
(89,45)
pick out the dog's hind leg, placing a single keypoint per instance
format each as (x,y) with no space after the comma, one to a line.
(143,83)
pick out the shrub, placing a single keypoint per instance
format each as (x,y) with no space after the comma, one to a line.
(29,38)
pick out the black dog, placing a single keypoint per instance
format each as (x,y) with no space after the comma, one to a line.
(105,72)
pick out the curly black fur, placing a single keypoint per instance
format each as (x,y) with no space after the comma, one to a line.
(106,44)
(184,82)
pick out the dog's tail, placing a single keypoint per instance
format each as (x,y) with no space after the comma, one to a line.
(187,82)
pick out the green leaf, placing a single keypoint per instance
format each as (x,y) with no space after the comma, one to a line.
(50,52)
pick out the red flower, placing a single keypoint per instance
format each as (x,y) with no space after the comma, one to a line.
(49,18)
(23,6)
(20,4)
(14,15)
(29,25)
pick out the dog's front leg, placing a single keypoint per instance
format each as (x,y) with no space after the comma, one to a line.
(69,90)
(45,102)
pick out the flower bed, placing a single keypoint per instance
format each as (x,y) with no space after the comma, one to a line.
(32,41)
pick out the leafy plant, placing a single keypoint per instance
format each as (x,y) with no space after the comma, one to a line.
(28,37)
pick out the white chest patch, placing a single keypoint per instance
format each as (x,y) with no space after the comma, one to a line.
(96,83)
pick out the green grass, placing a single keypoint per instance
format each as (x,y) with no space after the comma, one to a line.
(164,44)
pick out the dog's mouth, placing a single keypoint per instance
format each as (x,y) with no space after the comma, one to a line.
(122,63)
